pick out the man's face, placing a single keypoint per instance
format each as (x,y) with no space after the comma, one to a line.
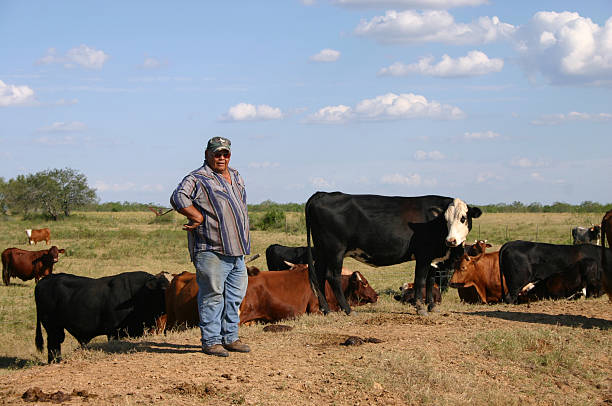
(218,160)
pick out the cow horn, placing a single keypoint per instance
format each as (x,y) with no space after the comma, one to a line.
(253,258)
(289,263)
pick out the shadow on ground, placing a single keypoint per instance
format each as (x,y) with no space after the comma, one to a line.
(122,347)
(566,320)
(17,363)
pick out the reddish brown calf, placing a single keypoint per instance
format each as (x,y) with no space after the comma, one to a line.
(27,265)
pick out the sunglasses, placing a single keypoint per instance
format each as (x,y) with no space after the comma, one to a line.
(224,154)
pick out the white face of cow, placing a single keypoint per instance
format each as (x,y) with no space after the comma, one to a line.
(458,223)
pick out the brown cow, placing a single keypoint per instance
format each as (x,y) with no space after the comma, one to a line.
(480,272)
(26,265)
(270,296)
(355,286)
(34,236)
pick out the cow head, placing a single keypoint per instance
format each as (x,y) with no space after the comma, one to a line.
(29,234)
(464,272)
(360,290)
(252,271)
(52,255)
(459,217)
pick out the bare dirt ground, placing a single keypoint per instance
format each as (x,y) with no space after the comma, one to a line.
(440,359)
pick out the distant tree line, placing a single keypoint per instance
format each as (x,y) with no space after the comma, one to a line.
(556,207)
(52,193)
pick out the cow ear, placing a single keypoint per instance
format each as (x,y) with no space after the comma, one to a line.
(61,251)
(474,212)
(435,211)
(489,245)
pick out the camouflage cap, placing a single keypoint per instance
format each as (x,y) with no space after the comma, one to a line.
(217,143)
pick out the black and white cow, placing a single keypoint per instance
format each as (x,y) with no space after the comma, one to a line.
(381,231)
(277,256)
(586,235)
(116,306)
(524,264)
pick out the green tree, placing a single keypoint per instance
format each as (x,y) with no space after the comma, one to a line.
(52,192)
(73,191)
(18,195)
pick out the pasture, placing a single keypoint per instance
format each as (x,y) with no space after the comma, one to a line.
(549,352)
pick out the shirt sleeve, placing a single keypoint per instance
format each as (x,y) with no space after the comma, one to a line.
(184,194)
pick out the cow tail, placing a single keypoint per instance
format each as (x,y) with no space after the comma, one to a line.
(312,273)
(39,338)
(603,230)
(501,274)
(6,275)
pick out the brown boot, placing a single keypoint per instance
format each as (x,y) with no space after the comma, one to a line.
(237,346)
(216,350)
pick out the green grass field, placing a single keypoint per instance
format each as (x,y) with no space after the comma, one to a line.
(101,244)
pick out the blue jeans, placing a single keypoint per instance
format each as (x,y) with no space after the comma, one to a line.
(222,282)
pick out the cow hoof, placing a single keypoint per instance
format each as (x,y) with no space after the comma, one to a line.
(432,308)
(422,312)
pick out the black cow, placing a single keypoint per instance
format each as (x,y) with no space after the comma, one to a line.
(523,263)
(381,231)
(276,255)
(582,235)
(116,306)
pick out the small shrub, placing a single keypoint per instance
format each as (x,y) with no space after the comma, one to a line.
(274,219)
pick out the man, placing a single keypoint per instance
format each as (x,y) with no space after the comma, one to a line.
(213,199)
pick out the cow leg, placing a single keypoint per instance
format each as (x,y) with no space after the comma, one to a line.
(431,304)
(335,282)
(321,273)
(420,275)
(55,338)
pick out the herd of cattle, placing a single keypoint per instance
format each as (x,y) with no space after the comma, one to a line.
(375,230)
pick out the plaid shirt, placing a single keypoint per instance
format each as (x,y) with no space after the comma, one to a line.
(225,228)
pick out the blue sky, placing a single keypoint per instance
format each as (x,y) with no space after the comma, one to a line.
(490,101)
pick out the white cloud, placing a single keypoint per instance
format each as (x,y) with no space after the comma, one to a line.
(406,105)
(487,176)
(151,63)
(82,55)
(326,55)
(523,162)
(554,119)
(432,155)
(432,26)
(332,115)
(322,183)
(389,106)
(566,48)
(407,180)
(263,165)
(11,95)
(408,4)
(487,135)
(475,63)
(250,112)
(60,127)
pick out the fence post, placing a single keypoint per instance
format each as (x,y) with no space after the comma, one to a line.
(506,231)
(537,227)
